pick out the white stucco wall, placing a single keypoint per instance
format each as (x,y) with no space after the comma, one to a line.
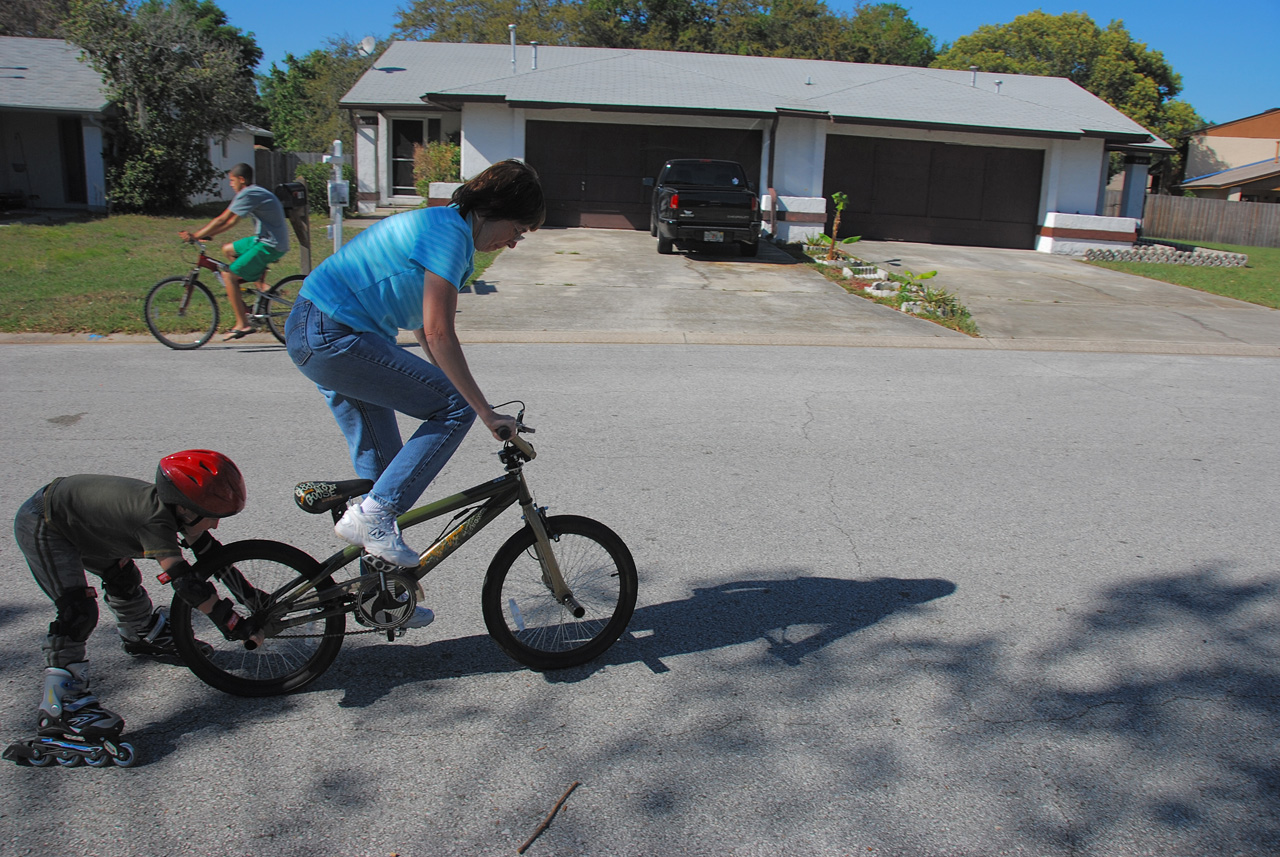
(367,160)
(225,154)
(94,167)
(490,133)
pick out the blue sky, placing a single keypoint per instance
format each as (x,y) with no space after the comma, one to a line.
(1222,50)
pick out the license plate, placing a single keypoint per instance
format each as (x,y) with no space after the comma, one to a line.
(713,236)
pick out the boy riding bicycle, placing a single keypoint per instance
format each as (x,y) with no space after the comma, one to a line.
(251,255)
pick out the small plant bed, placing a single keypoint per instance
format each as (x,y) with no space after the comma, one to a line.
(906,292)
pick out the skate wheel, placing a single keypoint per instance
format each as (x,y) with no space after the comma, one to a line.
(69,761)
(99,759)
(125,755)
(39,758)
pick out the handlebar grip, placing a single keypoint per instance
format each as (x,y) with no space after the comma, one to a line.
(504,433)
(250,645)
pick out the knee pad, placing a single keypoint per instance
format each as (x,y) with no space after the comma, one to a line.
(77,615)
(122,582)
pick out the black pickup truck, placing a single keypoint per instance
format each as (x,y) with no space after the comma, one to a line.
(702,202)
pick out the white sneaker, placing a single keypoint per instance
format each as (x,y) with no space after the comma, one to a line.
(377,534)
(421,618)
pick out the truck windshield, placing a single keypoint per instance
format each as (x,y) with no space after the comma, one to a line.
(710,175)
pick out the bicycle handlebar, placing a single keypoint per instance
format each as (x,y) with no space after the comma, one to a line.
(518,442)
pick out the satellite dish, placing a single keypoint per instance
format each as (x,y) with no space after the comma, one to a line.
(367,44)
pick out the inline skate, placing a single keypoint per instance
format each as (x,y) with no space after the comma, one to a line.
(73,727)
(157,640)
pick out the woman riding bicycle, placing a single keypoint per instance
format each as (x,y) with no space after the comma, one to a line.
(404,273)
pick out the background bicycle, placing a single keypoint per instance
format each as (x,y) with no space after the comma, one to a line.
(182,312)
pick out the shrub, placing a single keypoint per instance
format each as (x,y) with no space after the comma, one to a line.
(316,177)
(436,162)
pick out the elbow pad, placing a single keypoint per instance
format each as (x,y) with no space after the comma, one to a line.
(189,588)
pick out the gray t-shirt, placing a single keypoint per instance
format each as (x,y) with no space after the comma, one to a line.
(111,517)
(267,212)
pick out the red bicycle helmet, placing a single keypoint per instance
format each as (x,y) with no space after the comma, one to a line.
(204,481)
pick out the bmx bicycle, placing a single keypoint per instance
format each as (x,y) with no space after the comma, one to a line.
(182,312)
(557,594)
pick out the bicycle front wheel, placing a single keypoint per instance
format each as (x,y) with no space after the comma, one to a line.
(181,313)
(522,613)
(276,304)
(253,574)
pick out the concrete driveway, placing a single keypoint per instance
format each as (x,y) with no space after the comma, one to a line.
(1027,300)
(601,285)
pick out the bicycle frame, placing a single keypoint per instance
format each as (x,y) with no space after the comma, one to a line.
(495,497)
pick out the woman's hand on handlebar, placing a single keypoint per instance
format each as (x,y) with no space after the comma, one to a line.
(501,426)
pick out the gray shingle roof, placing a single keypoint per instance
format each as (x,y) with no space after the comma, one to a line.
(1237,176)
(661,81)
(45,74)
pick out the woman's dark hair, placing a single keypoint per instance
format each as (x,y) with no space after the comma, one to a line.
(508,190)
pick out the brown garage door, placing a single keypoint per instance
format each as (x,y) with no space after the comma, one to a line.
(592,173)
(938,193)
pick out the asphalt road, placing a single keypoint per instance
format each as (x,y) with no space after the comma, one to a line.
(893,601)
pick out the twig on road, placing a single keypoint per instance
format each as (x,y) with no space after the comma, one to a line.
(546,822)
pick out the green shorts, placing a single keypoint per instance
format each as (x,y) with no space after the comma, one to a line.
(252,258)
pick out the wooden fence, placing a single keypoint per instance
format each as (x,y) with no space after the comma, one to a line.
(1185,218)
(272,168)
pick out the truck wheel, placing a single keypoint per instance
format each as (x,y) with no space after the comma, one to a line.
(666,246)
(653,227)
(750,250)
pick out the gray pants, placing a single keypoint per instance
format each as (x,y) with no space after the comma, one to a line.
(59,569)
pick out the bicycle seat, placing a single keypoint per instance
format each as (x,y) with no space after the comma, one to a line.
(318,497)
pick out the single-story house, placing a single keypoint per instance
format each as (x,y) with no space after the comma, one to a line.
(1237,160)
(959,157)
(51,111)
(52,108)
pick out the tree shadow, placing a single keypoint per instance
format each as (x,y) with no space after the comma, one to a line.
(714,617)
(1175,676)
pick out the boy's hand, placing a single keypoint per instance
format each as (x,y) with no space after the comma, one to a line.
(232,625)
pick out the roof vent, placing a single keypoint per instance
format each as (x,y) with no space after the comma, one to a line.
(511,28)
(972,68)
(808,81)
(534,45)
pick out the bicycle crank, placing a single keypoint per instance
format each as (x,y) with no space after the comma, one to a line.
(386,599)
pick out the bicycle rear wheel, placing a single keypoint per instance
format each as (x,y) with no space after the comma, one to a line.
(276,304)
(522,614)
(180,313)
(252,574)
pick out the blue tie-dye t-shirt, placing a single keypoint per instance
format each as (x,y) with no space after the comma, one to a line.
(374,283)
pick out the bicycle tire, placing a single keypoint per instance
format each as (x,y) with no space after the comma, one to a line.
(524,618)
(180,321)
(278,302)
(282,664)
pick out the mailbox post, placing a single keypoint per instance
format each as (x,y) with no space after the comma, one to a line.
(293,196)
(339,194)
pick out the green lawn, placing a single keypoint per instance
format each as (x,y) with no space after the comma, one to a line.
(92,276)
(1258,283)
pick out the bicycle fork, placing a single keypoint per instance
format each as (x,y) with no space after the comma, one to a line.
(551,575)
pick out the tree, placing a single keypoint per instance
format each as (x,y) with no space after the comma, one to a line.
(41,19)
(179,75)
(485,21)
(1126,74)
(807,29)
(301,100)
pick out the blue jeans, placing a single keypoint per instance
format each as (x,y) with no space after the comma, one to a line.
(367,379)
